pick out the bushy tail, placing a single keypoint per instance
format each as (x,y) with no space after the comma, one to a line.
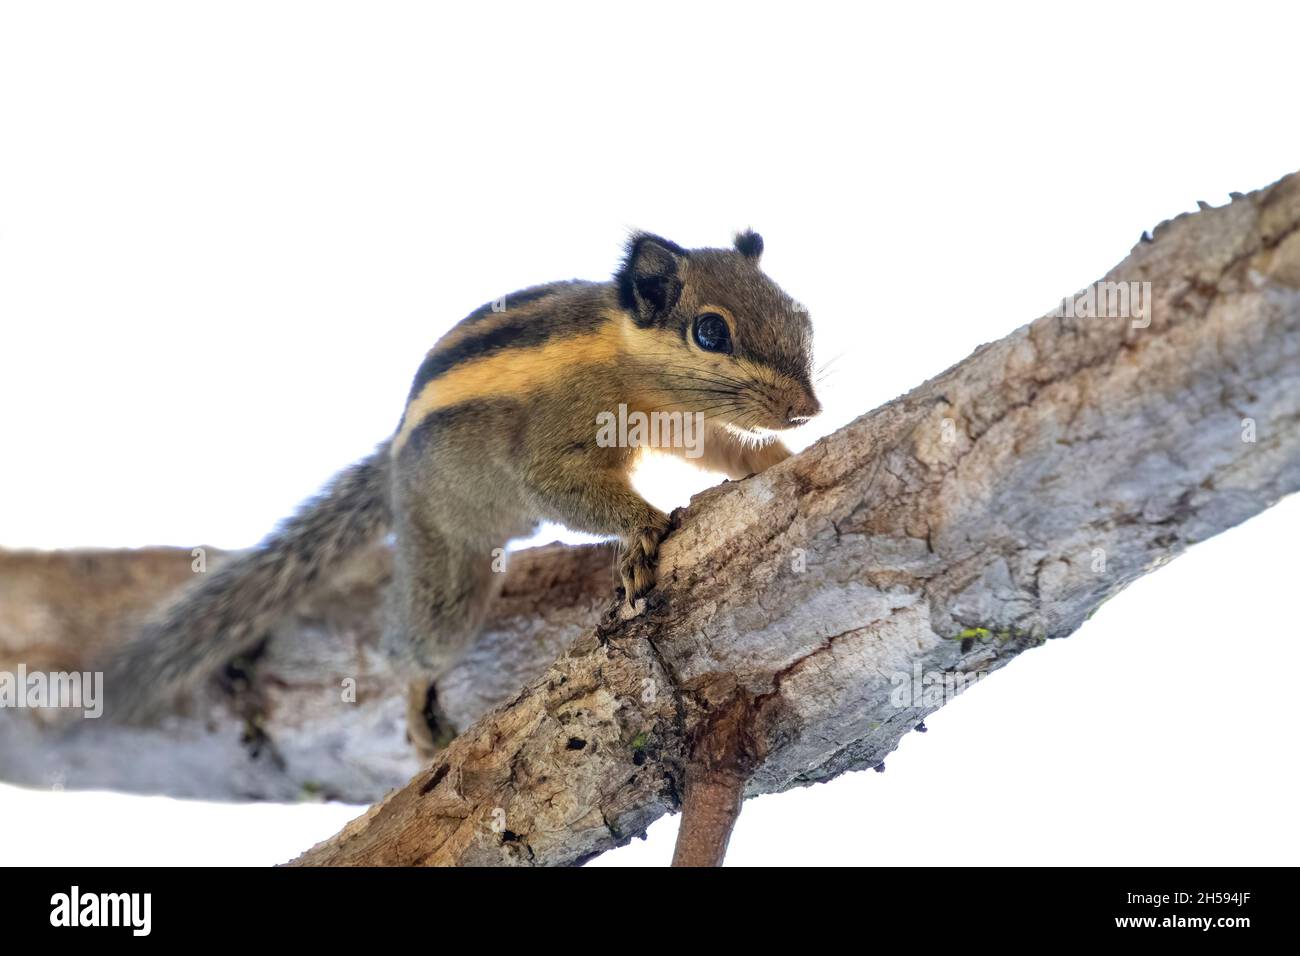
(231,608)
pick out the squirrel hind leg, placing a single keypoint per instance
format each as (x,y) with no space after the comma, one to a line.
(428,728)
(439,599)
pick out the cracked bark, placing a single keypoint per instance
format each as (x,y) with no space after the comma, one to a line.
(990,509)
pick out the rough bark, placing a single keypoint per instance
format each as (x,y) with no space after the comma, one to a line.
(992,508)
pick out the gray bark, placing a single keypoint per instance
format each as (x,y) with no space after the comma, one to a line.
(990,509)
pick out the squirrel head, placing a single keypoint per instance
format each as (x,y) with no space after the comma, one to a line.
(712,333)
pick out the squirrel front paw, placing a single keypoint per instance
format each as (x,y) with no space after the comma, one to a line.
(641,559)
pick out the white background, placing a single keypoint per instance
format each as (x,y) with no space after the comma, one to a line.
(228,233)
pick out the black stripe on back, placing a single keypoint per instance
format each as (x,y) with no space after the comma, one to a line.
(522,297)
(475,416)
(522,332)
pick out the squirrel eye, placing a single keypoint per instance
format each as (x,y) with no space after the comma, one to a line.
(711,333)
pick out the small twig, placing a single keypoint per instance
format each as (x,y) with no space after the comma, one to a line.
(709,812)
(724,754)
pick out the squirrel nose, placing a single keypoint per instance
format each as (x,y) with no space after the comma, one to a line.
(797,413)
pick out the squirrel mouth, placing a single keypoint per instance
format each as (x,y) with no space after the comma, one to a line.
(753,434)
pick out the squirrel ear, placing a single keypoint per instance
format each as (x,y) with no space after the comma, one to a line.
(650,279)
(749,244)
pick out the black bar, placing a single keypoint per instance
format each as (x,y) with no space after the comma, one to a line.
(255,906)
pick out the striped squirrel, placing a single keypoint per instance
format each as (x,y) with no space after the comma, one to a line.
(499,433)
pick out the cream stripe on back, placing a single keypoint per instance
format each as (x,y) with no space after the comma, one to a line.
(512,372)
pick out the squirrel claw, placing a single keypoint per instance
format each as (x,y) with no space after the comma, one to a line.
(627,610)
(637,568)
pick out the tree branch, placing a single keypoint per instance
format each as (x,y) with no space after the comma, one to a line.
(990,509)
